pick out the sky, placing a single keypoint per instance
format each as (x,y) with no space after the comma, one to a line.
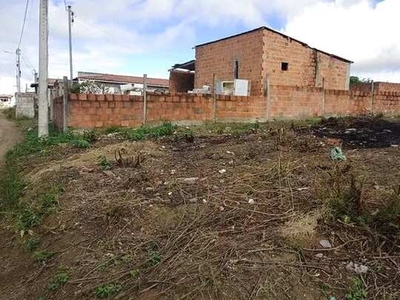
(133,37)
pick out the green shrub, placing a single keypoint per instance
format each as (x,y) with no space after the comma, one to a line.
(357,291)
(42,256)
(112,129)
(32,244)
(81,143)
(108,290)
(104,163)
(58,281)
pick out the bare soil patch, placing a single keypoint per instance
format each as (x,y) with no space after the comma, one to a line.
(223,216)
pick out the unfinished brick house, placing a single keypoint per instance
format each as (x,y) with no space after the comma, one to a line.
(259,56)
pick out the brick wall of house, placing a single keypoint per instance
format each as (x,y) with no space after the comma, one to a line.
(307,67)
(219,58)
(91,111)
(181,82)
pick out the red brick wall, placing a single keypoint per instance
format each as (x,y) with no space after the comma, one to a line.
(181,82)
(307,66)
(219,58)
(91,111)
(260,54)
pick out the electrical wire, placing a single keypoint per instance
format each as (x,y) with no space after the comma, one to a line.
(23,24)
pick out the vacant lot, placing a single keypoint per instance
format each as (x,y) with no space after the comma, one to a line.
(255,211)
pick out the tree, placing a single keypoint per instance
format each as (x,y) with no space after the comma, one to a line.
(354,79)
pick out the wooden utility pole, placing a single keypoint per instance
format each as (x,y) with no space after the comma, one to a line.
(43,120)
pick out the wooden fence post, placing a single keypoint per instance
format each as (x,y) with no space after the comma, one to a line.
(144,99)
(65,104)
(214,101)
(372,96)
(323,97)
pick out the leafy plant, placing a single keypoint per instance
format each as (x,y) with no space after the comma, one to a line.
(42,256)
(90,136)
(28,218)
(143,132)
(108,290)
(155,260)
(32,244)
(104,163)
(112,129)
(58,281)
(134,274)
(32,214)
(357,291)
(81,143)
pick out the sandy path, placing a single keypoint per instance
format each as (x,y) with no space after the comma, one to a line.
(9,135)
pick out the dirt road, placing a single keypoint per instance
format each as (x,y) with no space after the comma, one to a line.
(9,135)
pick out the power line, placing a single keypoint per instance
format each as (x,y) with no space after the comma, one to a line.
(23,24)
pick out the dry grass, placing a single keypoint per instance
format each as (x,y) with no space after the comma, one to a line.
(161,237)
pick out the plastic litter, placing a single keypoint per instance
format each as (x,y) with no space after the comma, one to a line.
(337,154)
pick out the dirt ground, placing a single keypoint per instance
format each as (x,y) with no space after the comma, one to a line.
(9,135)
(223,215)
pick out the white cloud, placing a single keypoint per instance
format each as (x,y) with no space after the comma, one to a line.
(110,37)
(357,30)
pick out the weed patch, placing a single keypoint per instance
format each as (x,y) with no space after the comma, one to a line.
(144,132)
(58,281)
(33,213)
(42,256)
(357,291)
(108,290)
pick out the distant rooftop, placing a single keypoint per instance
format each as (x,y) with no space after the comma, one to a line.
(122,79)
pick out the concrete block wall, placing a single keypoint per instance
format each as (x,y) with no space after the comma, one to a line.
(25,105)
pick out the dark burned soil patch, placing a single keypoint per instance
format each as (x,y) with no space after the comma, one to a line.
(217,217)
(361,132)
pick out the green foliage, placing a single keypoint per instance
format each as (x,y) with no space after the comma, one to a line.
(134,274)
(345,203)
(357,291)
(354,79)
(143,132)
(81,143)
(387,219)
(155,260)
(33,213)
(108,290)
(32,244)
(28,218)
(11,186)
(58,281)
(112,129)
(42,256)
(104,163)
(90,136)
(10,113)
